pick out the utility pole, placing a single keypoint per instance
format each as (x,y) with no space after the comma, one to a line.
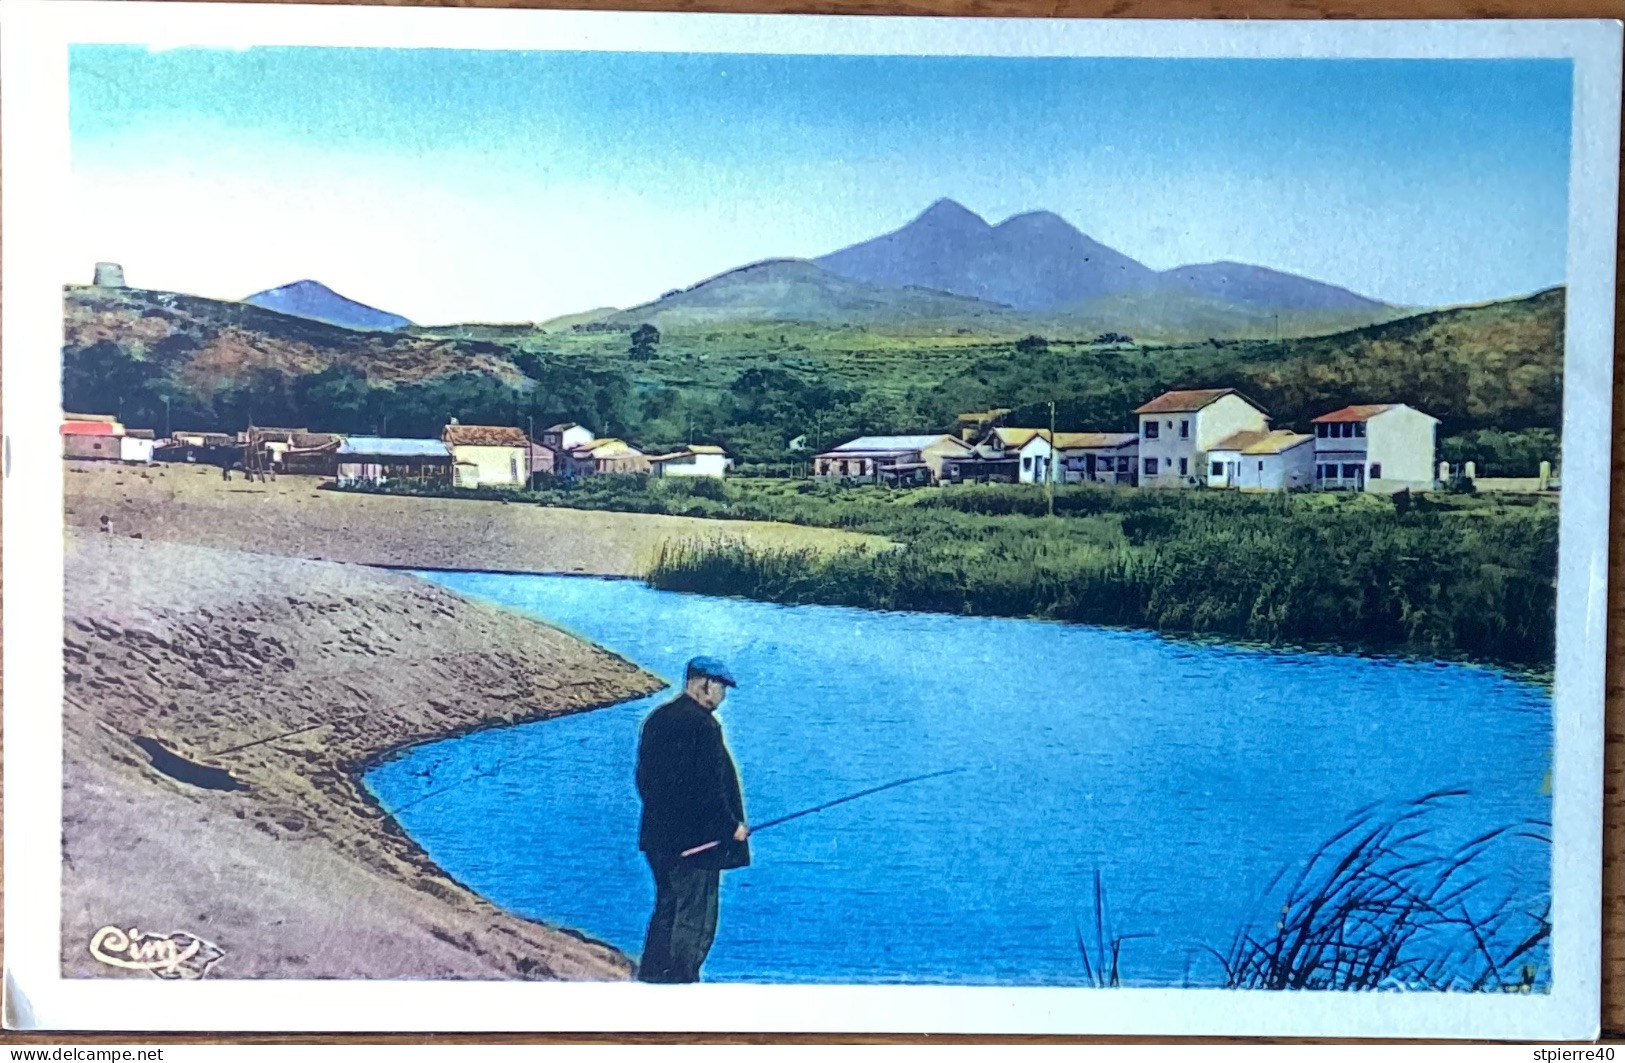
(1050,479)
(167,433)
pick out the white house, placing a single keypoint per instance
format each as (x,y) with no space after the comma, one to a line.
(1028,448)
(1178,428)
(1383,448)
(566,436)
(1035,456)
(1262,461)
(696,459)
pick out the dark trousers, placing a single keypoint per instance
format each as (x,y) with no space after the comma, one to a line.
(684,920)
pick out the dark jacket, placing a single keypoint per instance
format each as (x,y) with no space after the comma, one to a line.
(689,786)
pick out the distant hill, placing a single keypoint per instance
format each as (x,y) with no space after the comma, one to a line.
(797,290)
(317,302)
(205,345)
(1264,289)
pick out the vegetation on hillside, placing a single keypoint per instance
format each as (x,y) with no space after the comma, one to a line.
(1446,576)
(753,388)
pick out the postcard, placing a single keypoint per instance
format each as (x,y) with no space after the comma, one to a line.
(539,520)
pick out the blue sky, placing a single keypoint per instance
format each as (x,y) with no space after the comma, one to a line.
(451,185)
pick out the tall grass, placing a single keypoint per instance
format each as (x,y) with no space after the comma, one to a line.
(1382,905)
(1434,579)
(1442,576)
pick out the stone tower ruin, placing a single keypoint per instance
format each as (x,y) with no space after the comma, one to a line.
(109,275)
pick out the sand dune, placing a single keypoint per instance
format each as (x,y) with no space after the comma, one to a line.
(177,654)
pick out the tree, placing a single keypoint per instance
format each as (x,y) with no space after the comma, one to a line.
(1032,344)
(645,338)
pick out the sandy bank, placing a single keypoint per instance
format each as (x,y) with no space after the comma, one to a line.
(293,517)
(297,874)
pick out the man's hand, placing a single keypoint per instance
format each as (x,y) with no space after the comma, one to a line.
(741,833)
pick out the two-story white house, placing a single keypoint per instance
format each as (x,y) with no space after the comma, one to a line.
(1178,428)
(1384,448)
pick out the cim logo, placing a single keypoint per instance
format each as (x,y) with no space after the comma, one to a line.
(175,955)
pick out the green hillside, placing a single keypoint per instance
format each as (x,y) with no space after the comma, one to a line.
(1491,373)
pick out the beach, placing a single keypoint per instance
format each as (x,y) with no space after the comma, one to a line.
(294,516)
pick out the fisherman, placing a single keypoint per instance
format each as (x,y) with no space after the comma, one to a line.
(691,796)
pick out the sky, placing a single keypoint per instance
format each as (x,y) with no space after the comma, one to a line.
(514,186)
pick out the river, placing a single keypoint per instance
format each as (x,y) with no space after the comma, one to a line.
(1187,775)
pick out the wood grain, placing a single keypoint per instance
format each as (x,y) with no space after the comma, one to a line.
(1613,929)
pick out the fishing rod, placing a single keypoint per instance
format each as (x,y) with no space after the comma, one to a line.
(827,804)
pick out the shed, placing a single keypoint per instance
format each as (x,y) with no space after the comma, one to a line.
(380,459)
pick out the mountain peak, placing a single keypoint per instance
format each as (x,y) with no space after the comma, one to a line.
(946,211)
(1033,261)
(316,301)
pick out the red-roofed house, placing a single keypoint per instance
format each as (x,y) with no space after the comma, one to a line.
(97,440)
(1178,428)
(1382,447)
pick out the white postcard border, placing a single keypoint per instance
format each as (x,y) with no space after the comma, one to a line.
(33,110)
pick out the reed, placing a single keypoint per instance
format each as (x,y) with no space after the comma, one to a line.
(1381,906)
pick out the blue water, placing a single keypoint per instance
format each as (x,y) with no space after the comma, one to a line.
(1187,775)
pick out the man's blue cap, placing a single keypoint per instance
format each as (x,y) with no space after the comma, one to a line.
(711,668)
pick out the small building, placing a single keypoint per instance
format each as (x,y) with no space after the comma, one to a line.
(1099,457)
(896,460)
(1033,450)
(696,459)
(1071,457)
(487,455)
(381,459)
(136,445)
(1010,455)
(561,437)
(1262,461)
(605,457)
(92,440)
(985,464)
(311,454)
(1384,448)
(1178,428)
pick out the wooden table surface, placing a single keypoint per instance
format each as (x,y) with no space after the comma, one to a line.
(1613,975)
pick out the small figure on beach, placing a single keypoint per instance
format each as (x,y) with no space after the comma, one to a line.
(691,796)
